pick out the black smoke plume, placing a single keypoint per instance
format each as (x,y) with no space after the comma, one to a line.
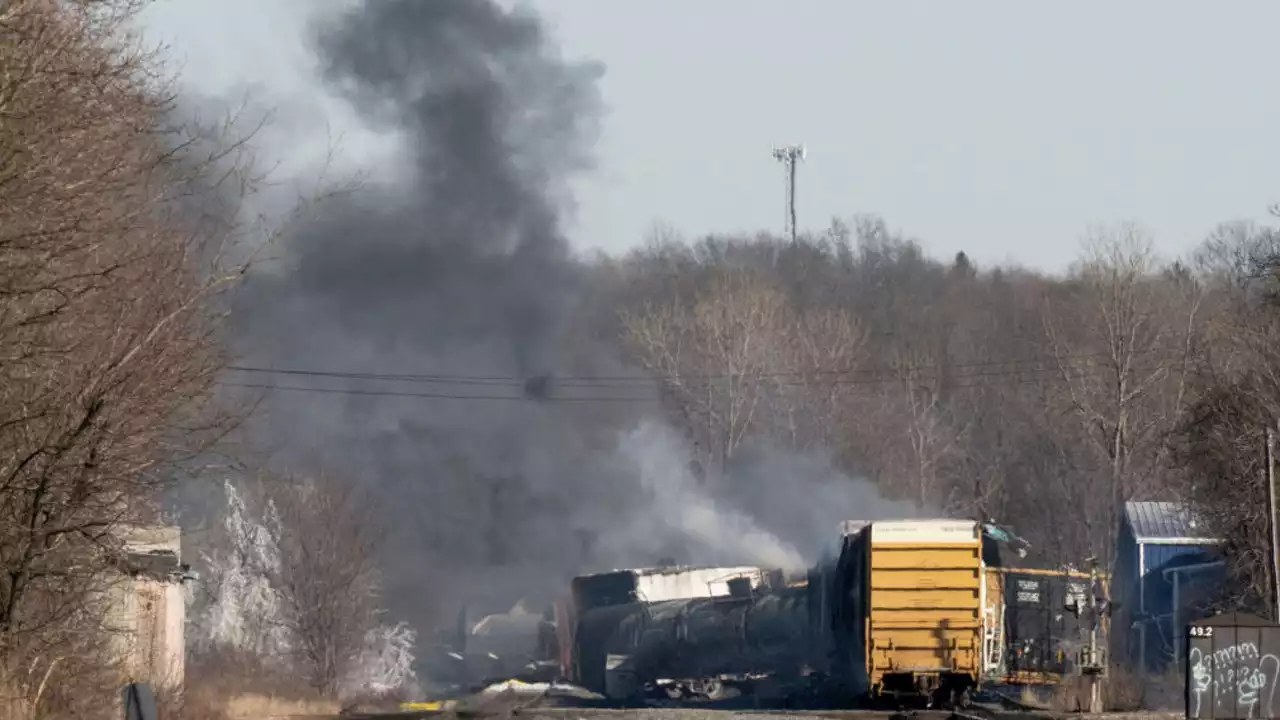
(460,269)
(501,475)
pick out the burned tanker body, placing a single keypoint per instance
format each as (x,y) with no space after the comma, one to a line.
(690,634)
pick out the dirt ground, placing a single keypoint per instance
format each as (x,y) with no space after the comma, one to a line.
(696,714)
(507,710)
(699,714)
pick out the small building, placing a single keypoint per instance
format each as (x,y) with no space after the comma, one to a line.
(1167,565)
(147,605)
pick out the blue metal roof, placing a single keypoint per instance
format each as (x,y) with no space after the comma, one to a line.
(1164,522)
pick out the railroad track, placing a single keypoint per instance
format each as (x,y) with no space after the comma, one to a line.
(535,708)
(693,713)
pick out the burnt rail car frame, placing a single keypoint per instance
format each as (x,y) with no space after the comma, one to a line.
(1232,668)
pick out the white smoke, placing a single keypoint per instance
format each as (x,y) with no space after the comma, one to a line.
(773,508)
(660,459)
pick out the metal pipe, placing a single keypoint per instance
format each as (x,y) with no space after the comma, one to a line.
(1188,569)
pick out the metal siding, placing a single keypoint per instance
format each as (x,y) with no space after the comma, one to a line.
(1233,671)
(925,532)
(925,608)
(1142,574)
(1124,577)
(1159,634)
(1159,556)
(1162,521)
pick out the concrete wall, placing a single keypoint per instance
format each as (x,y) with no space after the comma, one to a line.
(147,607)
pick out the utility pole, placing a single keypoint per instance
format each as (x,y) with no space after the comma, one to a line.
(789,156)
(1270,468)
(1092,661)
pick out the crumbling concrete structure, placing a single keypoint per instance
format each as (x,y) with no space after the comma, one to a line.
(147,610)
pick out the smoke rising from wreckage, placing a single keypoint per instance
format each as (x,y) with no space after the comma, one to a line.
(902,612)
(461,268)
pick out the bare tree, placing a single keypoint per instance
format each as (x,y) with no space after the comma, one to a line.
(1218,448)
(297,585)
(328,575)
(739,359)
(932,440)
(1122,338)
(824,348)
(712,356)
(111,269)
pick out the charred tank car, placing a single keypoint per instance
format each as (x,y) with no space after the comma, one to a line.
(708,648)
(712,633)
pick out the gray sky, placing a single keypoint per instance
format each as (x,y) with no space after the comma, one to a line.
(1003,128)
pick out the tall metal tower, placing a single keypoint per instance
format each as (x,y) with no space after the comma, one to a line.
(790,155)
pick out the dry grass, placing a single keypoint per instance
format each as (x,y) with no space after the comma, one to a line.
(1123,691)
(14,705)
(252,705)
(236,688)
(205,704)
(73,689)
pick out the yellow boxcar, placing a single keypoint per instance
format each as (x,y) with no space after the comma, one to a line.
(916,611)
(917,587)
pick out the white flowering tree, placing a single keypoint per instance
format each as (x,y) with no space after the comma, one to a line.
(244,607)
(296,585)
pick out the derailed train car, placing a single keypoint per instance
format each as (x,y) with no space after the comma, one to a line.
(702,647)
(682,631)
(905,609)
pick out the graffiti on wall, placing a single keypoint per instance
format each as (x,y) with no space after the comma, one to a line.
(1233,672)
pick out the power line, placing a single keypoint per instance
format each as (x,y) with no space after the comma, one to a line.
(959,380)
(1045,363)
(986,380)
(412,394)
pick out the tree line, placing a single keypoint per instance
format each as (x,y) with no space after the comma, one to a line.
(1044,401)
